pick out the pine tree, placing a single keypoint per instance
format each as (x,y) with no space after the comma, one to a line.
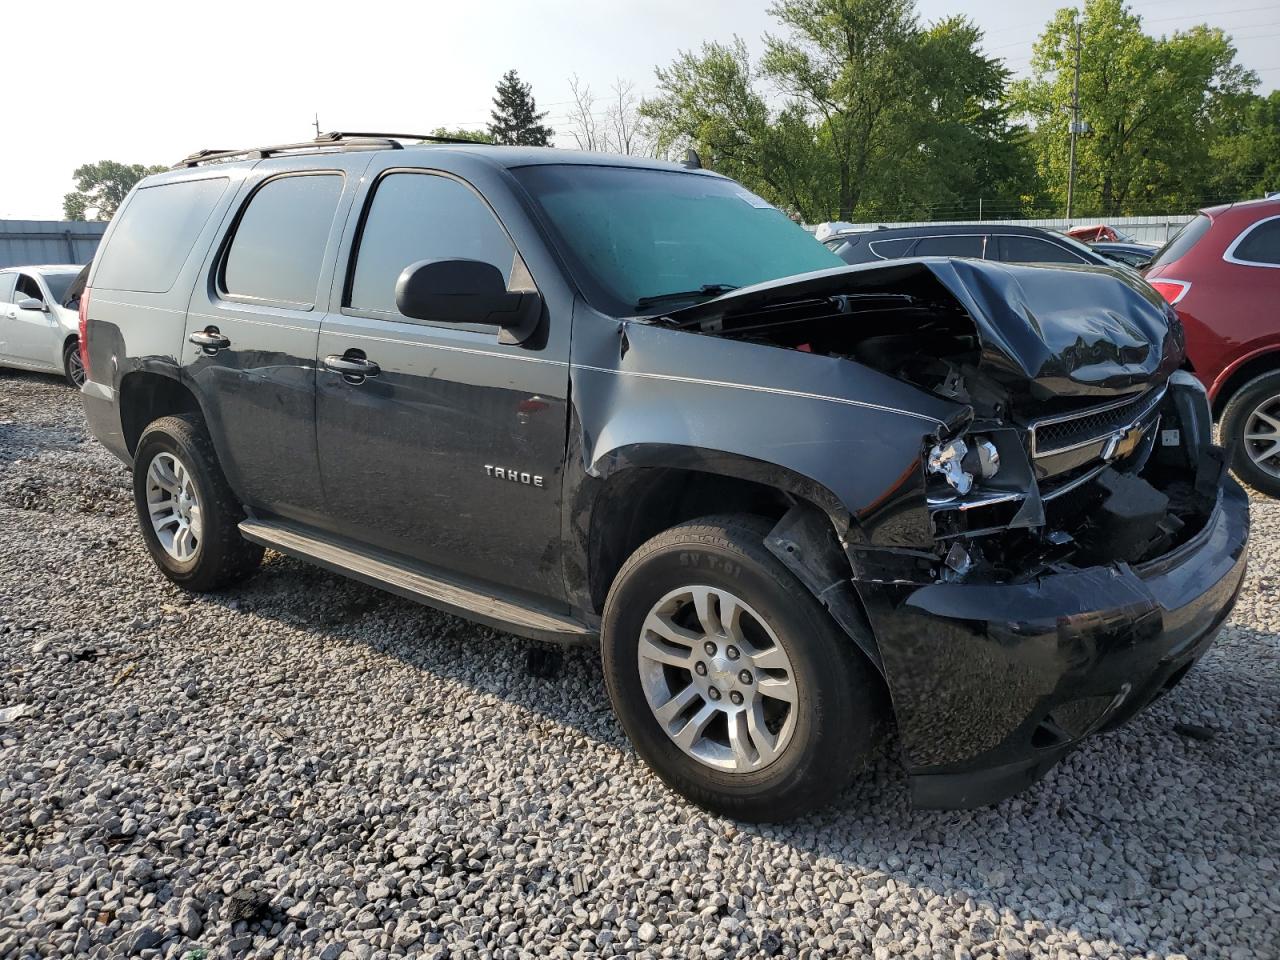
(515,118)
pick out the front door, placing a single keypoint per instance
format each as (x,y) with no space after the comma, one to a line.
(250,342)
(32,334)
(449,450)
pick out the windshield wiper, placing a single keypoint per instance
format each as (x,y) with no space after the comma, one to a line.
(706,290)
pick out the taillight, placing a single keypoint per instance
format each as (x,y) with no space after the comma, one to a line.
(84,328)
(1171,290)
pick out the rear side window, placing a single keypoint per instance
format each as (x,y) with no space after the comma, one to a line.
(1259,244)
(890,249)
(416,216)
(154,235)
(1015,249)
(1182,241)
(278,246)
(956,246)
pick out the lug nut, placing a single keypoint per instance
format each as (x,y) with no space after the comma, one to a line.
(736,697)
(713,693)
(745,676)
(732,652)
(700,668)
(710,648)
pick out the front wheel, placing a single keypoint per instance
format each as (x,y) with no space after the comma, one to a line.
(1251,431)
(732,681)
(187,513)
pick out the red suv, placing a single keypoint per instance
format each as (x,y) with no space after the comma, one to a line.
(1222,274)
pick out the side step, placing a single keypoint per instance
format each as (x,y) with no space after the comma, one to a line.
(417,585)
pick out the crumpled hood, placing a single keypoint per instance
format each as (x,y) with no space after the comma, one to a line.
(1052,330)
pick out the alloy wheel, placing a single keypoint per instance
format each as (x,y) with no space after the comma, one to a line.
(75,367)
(717,679)
(174,506)
(1262,436)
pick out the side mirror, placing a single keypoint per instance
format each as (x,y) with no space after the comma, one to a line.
(31,303)
(467,291)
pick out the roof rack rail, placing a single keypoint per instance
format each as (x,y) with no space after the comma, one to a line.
(339,139)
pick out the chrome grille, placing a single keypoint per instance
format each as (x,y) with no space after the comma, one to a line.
(1058,434)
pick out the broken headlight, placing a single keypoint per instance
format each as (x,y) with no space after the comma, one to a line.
(959,462)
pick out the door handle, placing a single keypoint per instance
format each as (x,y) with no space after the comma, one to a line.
(210,341)
(353,365)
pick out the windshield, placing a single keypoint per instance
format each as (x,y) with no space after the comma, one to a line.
(58,283)
(635,238)
(1182,241)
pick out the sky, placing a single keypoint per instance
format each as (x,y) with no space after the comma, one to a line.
(145,82)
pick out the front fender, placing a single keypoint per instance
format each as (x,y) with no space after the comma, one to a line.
(842,435)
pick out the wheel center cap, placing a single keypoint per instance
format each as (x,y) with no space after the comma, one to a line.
(721,672)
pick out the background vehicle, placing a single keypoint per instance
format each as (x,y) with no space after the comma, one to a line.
(1134,255)
(1098,232)
(37,330)
(1008,244)
(1221,272)
(585,397)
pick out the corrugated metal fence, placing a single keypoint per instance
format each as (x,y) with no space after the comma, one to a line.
(24,242)
(1146,229)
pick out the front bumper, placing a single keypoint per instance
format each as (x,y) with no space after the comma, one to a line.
(992,684)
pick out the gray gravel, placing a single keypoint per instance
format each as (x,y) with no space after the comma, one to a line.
(308,767)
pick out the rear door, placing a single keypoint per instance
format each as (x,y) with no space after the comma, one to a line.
(253,321)
(452,452)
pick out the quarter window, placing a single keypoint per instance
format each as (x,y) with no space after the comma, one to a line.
(1017,249)
(279,244)
(891,249)
(154,235)
(1261,244)
(422,216)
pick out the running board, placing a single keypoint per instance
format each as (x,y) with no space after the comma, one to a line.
(416,585)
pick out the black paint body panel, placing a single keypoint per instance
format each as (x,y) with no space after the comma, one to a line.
(403,461)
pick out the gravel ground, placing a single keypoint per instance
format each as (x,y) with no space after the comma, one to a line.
(309,767)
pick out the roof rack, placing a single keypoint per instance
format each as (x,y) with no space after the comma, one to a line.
(335,140)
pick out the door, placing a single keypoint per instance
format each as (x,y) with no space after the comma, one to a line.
(32,335)
(445,446)
(252,326)
(8,312)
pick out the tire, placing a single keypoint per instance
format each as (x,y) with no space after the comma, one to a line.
(72,368)
(827,730)
(212,554)
(1246,414)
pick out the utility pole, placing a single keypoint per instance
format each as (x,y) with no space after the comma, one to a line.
(317,123)
(1076,126)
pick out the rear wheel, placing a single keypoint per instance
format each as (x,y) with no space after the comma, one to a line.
(72,366)
(187,513)
(731,680)
(1251,431)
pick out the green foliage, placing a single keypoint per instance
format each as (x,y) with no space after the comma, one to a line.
(460,133)
(1245,156)
(1152,104)
(515,118)
(881,117)
(101,188)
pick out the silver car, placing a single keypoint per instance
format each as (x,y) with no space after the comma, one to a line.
(39,322)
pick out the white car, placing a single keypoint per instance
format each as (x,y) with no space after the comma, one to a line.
(39,321)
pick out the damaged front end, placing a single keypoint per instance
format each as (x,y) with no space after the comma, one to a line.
(1068,543)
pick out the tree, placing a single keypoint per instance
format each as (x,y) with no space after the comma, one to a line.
(460,133)
(515,118)
(587,132)
(1151,104)
(101,187)
(618,128)
(1245,155)
(879,116)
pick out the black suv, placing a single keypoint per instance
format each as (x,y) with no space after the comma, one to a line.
(981,241)
(605,400)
